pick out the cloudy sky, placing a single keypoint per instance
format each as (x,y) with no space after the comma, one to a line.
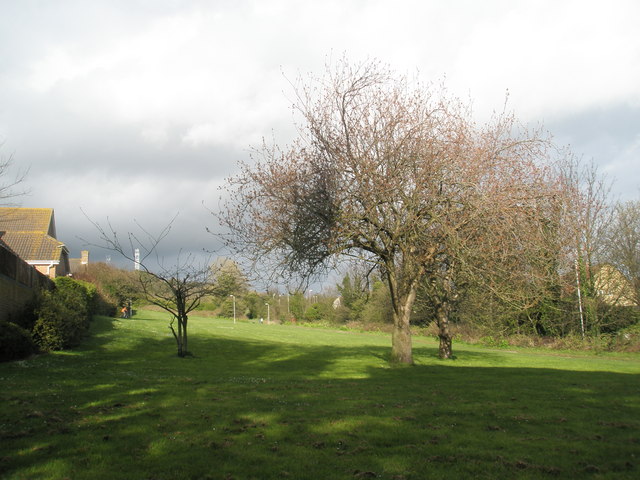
(140,108)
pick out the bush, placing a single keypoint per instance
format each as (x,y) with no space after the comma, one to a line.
(314,313)
(77,295)
(26,316)
(378,309)
(15,342)
(226,308)
(63,314)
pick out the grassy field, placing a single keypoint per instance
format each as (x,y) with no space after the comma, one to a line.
(273,402)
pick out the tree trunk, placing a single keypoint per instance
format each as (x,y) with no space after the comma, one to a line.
(185,349)
(445,350)
(180,338)
(401,351)
(402,300)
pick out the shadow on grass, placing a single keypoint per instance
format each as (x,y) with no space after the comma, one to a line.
(262,409)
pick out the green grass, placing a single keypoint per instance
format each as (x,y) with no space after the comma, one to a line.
(274,402)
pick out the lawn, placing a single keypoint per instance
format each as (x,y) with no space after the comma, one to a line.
(273,402)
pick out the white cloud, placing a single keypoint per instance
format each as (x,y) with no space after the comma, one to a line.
(156,135)
(554,57)
(205,134)
(180,90)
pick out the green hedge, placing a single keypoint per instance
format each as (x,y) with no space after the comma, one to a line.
(63,314)
(15,342)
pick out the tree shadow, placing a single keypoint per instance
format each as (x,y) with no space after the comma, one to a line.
(252,409)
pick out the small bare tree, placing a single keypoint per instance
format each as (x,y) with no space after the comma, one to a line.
(395,174)
(177,289)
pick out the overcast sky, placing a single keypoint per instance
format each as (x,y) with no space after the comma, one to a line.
(141,108)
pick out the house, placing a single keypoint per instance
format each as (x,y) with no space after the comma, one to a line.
(19,282)
(613,287)
(31,234)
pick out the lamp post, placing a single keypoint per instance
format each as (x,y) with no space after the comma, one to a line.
(234,308)
(268,314)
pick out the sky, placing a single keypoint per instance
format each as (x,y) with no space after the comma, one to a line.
(139,109)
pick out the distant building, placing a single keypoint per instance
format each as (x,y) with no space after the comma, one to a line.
(79,265)
(31,234)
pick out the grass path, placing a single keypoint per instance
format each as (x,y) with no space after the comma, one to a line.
(273,402)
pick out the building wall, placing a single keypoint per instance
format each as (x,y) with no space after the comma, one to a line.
(49,270)
(55,269)
(613,288)
(19,282)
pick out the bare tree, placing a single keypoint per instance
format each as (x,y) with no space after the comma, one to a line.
(178,289)
(588,220)
(393,173)
(624,243)
(10,183)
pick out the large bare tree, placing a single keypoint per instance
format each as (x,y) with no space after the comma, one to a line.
(396,174)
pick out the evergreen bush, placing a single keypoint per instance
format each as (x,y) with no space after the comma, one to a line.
(15,342)
(63,314)
(26,317)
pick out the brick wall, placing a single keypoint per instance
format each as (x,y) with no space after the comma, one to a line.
(19,282)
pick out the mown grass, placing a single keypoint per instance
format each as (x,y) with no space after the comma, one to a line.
(273,402)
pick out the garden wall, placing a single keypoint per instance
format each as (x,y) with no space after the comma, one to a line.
(19,282)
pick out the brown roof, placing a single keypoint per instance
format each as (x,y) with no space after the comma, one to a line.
(33,246)
(30,233)
(28,220)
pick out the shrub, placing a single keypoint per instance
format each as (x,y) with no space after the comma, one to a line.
(314,313)
(226,308)
(26,316)
(77,295)
(15,342)
(210,304)
(63,314)
(378,309)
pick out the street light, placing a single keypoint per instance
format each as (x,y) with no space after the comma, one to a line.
(234,308)
(268,314)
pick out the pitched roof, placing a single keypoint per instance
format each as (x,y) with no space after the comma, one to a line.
(30,233)
(4,245)
(33,246)
(28,220)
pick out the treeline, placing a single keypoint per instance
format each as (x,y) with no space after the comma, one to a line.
(588,290)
